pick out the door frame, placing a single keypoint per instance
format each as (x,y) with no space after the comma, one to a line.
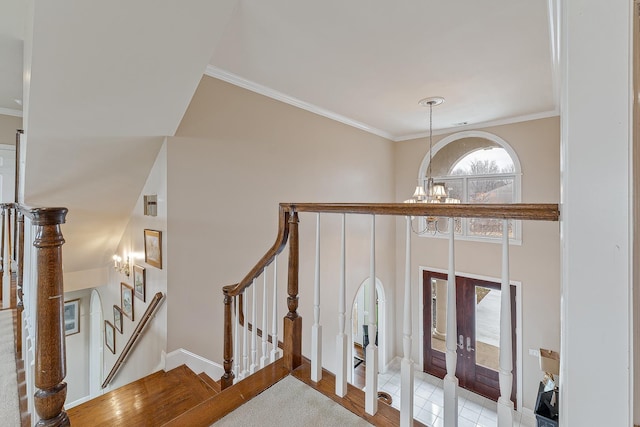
(518,325)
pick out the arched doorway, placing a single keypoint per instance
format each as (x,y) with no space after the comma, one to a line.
(359,326)
(95,345)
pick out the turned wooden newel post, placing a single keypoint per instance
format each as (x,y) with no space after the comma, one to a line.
(227,377)
(19,279)
(292,321)
(50,353)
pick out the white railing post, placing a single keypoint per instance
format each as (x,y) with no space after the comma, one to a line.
(450,380)
(264,360)
(236,343)
(245,337)
(371,391)
(341,338)
(406,368)
(6,259)
(275,351)
(505,405)
(254,330)
(316,329)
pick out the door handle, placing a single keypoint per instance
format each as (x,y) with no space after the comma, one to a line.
(469,348)
(461,342)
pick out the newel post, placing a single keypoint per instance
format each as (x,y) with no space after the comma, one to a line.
(292,321)
(50,353)
(227,377)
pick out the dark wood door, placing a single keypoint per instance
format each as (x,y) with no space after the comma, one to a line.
(477,335)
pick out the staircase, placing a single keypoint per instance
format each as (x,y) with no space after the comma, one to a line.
(151,401)
(181,397)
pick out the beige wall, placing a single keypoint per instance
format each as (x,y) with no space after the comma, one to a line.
(8,127)
(536,263)
(147,355)
(236,155)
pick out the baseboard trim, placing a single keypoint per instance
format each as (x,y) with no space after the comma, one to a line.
(197,364)
(77,402)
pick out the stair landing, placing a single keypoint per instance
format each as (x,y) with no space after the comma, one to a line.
(150,401)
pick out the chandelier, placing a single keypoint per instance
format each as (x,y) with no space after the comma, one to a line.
(435,192)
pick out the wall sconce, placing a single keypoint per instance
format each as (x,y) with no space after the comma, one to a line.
(121,267)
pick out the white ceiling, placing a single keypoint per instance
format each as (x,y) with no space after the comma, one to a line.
(106,81)
(366,63)
(372,61)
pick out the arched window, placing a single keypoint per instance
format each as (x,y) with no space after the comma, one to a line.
(477,167)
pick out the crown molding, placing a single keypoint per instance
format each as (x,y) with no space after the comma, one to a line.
(475,126)
(228,77)
(10,112)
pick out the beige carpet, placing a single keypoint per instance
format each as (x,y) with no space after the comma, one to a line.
(9,410)
(291,402)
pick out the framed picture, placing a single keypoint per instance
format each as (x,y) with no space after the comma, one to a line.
(117,318)
(126,300)
(153,247)
(110,336)
(72,317)
(139,282)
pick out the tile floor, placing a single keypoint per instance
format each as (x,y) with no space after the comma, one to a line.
(428,401)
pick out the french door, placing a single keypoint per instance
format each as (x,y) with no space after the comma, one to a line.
(478,334)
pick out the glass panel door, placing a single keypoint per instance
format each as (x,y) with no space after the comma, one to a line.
(487,343)
(478,335)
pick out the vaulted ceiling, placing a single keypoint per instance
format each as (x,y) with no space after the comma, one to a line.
(116,77)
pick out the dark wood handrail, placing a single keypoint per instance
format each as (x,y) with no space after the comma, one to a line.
(135,336)
(525,211)
(288,230)
(522,211)
(278,246)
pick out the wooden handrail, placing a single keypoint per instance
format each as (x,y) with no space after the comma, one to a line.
(288,229)
(525,211)
(135,336)
(278,246)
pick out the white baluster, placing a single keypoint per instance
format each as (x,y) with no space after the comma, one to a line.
(316,329)
(450,380)
(254,330)
(341,338)
(406,368)
(245,337)
(236,343)
(505,405)
(275,352)
(6,261)
(371,391)
(264,360)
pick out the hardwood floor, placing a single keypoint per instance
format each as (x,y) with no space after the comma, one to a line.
(182,398)
(150,401)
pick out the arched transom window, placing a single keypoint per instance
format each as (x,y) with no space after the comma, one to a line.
(477,167)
